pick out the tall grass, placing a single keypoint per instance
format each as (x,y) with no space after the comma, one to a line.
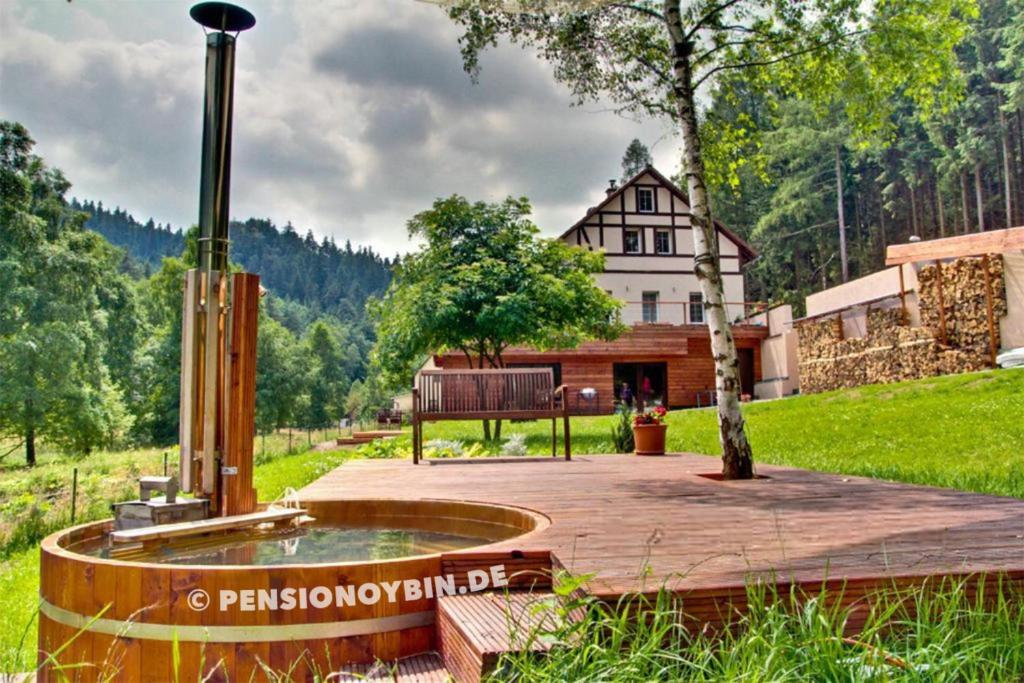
(934,633)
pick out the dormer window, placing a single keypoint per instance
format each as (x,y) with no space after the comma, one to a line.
(645,199)
(631,241)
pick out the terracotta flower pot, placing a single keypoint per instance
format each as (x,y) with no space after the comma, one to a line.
(649,439)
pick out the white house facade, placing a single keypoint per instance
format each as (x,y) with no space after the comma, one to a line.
(643,228)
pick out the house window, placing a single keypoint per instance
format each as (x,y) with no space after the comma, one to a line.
(632,241)
(645,199)
(696,307)
(650,306)
(662,242)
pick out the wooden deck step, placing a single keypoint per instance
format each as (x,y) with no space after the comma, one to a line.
(425,668)
(378,434)
(474,630)
(203,526)
(353,440)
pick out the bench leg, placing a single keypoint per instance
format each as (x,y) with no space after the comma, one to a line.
(566,436)
(554,438)
(415,442)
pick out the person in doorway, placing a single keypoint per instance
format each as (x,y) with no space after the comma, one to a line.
(626,395)
(645,389)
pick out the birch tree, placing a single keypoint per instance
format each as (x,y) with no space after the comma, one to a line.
(651,57)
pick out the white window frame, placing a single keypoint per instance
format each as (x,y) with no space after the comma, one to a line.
(668,243)
(639,193)
(699,302)
(649,309)
(639,241)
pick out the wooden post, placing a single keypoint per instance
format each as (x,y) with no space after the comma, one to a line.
(565,428)
(554,437)
(942,304)
(74,494)
(239,396)
(190,356)
(904,318)
(415,426)
(993,345)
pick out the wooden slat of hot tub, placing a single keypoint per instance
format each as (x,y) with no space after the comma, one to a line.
(614,516)
(203,526)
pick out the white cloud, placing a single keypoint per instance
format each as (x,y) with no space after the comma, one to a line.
(349,116)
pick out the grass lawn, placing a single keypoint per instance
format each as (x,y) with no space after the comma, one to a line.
(963,431)
(960,431)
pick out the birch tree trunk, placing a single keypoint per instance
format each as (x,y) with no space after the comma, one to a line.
(737,460)
(842,217)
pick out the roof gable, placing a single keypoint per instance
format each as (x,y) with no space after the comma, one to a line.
(746,251)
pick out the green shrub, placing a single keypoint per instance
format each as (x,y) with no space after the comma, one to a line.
(622,430)
(515,445)
(395,447)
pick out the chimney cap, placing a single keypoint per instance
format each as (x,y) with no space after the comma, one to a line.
(222,16)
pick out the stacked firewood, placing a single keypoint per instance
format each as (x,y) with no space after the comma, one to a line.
(963,302)
(892,351)
(817,337)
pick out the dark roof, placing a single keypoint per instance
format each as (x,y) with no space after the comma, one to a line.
(747,252)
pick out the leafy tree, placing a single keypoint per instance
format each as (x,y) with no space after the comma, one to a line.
(636,159)
(483,282)
(53,382)
(280,376)
(651,58)
(329,361)
(365,398)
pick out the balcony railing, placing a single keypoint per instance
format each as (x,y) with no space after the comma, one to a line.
(681,313)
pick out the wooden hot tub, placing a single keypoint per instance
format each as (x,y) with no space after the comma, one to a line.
(234,619)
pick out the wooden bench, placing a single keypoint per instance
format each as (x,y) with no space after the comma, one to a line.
(165,532)
(389,418)
(497,394)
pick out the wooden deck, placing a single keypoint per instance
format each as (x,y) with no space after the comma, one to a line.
(638,524)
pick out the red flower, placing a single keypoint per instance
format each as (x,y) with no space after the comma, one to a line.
(653,416)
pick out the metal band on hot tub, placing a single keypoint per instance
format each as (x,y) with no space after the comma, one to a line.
(236,634)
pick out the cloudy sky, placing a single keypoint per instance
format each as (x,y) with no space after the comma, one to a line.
(350,115)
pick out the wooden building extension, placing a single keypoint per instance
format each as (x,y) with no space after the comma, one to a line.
(676,359)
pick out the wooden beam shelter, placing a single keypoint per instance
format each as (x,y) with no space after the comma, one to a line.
(489,394)
(976,244)
(993,342)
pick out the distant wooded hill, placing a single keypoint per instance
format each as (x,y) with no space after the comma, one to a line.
(321,276)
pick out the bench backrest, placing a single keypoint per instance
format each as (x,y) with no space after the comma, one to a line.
(512,390)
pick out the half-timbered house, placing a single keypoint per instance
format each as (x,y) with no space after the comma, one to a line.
(643,228)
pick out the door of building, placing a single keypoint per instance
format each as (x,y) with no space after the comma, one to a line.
(746,357)
(647,383)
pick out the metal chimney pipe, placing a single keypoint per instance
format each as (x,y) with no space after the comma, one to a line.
(204,390)
(215,176)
